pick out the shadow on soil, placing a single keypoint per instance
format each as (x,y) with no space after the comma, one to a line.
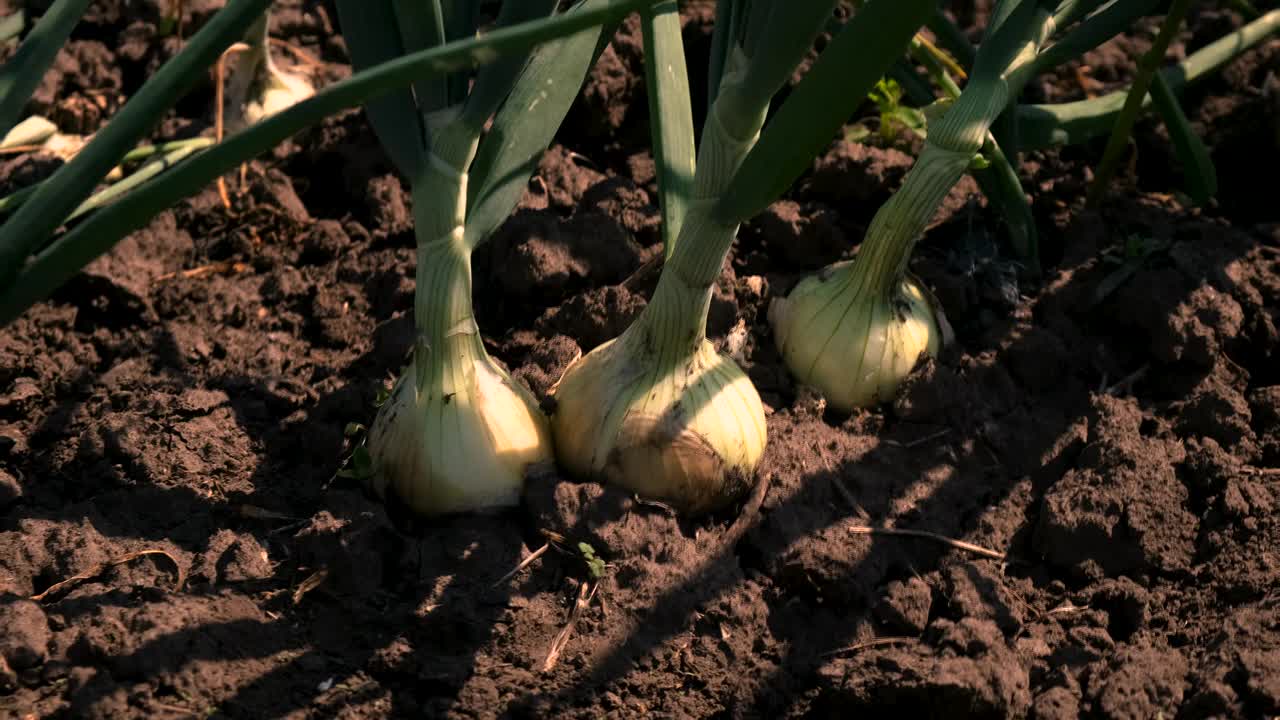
(406,614)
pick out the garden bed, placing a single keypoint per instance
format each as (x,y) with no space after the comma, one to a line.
(1113,429)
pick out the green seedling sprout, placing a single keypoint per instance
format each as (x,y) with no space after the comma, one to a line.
(595,565)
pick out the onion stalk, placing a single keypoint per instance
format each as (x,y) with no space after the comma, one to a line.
(857,329)
(457,432)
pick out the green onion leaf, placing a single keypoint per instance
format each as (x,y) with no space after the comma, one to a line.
(495,81)
(816,108)
(1197,166)
(1093,31)
(952,38)
(23,72)
(527,122)
(421,27)
(65,256)
(1148,66)
(670,115)
(1004,9)
(33,223)
(728,14)
(373,37)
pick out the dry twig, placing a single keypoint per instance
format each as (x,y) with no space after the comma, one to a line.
(586,591)
(298,53)
(874,642)
(16,149)
(1126,383)
(218,267)
(1251,470)
(313,581)
(1065,609)
(918,441)
(60,587)
(903,532)
(523,564)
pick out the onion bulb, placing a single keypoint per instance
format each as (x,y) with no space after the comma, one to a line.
(257,88)
(855,347)
(855,331)
(657,410)
(457,432)
(276,90)
(687,431)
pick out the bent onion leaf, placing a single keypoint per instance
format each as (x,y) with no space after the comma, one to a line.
(66,255)
(1197,166)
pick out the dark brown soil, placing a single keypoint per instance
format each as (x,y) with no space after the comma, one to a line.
(1114,428)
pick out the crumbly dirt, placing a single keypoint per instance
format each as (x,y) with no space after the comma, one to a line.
(1113,427)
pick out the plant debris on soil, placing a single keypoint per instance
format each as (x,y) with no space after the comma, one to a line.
(1114,437)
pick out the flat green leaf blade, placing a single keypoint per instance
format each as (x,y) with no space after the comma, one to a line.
(494,81)
(670,115)
(64,257)
(1004,9)
(150,169)
(373,37)
(812,114)
(526,124)
(1197,166)
(23,72)
(1093,31)
(33,223)
(421,26)
(785,32)
(1069,11)
(1015,35)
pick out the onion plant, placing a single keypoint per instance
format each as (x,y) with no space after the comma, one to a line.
(856,329)
(457,432)
(27,276)
(658,410)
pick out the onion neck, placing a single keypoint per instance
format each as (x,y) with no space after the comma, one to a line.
(950,146)
(673,325)
(448,340)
